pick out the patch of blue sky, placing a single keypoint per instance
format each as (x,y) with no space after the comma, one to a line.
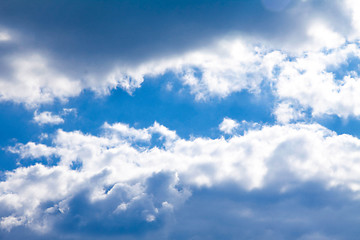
(173,107)
(76,38)
(163,99)
(348,68)
(349,125)
(16,126)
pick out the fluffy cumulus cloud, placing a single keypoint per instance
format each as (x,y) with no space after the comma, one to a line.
(228,125)
(288,179)
(47,118)
(227,66)
(214,63)
(285,112)
(117,181)
(323,81)
(29,79)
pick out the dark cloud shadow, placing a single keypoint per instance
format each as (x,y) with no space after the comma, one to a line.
(93,35)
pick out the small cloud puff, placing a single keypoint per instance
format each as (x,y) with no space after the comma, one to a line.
(47,118)
(285,112)
(228,125)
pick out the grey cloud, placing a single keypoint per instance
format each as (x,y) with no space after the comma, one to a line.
(59,48)
(97,31)
(267,214)
(92,36)
(221,212)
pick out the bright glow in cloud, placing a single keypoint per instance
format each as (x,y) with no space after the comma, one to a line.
(323,37)
(226,67)
(230,64)
(307,77)
(353,7)
(217,70)
(4,37)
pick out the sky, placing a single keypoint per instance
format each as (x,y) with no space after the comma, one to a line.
(179,119)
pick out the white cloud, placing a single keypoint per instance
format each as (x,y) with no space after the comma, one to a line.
(34,81)
(215,70)
(323,37)
(47,118)
(9,222)
(124,131)
(280,157)
(229,64)
(228,125)
(315,78)
(353,7)
(310,80)
(218,70)
(67,111)
(286,113)
(33,150)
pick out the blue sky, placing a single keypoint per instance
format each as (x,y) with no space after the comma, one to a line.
(179,119)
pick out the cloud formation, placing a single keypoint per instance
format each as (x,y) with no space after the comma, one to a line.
(47,118)
(119,179)
(222,56)
(295,180)
(228,125)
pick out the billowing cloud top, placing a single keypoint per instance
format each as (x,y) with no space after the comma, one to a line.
(179,119)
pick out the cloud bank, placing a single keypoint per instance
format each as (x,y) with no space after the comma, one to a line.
(100,54)
(294,180)
(118,179)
